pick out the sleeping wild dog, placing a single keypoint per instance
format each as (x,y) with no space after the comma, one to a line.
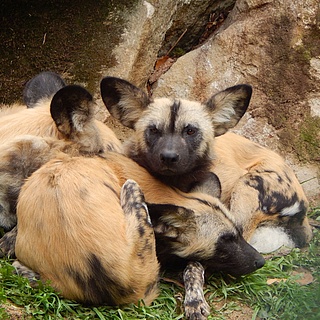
(59,111)
(65,113)
(191,226)
(100,274)
(182,142)
(90,238)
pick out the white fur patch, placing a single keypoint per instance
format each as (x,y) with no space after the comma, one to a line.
(291,211)
(225,114)
(268,239)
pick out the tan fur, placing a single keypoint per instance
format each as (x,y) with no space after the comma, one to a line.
(237,161)
(10,109)
(38,121)
(71,223)
(20,157)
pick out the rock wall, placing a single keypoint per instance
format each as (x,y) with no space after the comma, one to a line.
(274,46)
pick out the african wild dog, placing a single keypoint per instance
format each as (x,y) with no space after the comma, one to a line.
(263,194)
(92,239)
(187,226)
(66,114)
(173,139)
(181,142)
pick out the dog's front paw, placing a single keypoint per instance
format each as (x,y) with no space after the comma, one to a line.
(7,244)
(196,310)
(195,305)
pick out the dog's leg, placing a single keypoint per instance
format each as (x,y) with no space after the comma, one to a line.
(195,305)
(141,234)
(24,271)
(7,244)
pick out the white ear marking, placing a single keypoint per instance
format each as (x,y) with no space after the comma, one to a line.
(291,211)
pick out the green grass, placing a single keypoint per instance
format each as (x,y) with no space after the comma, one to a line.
(285,299)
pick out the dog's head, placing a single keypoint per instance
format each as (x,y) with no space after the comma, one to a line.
(204,233)
(173,137)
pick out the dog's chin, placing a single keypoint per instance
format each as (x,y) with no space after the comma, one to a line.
(168,172)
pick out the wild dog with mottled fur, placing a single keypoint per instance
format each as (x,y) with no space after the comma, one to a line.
(192,226)
(67,113)
(92,240)
(263,194)
(181,142)
(189,226)
(173,139)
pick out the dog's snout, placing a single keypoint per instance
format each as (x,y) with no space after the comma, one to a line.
(169,157)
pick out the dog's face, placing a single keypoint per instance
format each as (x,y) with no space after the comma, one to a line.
(173,137)
(205,233)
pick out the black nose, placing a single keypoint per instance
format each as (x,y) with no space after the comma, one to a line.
(260,262)
(169,157)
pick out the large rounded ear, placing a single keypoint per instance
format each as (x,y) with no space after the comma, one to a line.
(124,101)
(71,108)
(43,85)
(169,220)
(228,106)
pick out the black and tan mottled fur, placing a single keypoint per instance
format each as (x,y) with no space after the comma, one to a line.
(93,251)
(188,226)
(262,193)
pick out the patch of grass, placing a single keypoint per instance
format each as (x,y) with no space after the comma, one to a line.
(284,299)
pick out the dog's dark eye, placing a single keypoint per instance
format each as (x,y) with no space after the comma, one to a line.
(190,130)
(154,130)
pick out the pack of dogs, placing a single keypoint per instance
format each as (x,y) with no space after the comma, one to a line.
(99,218)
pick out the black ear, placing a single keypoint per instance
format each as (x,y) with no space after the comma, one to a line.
(169,219)
(43,85)
(72,108)
(124,101)
(228,106)
(210,185)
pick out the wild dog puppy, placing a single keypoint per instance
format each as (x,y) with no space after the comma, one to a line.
(263,194)
(92,239)
(173,139)
(66,114)
(176,138)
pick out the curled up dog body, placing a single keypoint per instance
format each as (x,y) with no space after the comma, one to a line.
(62,113)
